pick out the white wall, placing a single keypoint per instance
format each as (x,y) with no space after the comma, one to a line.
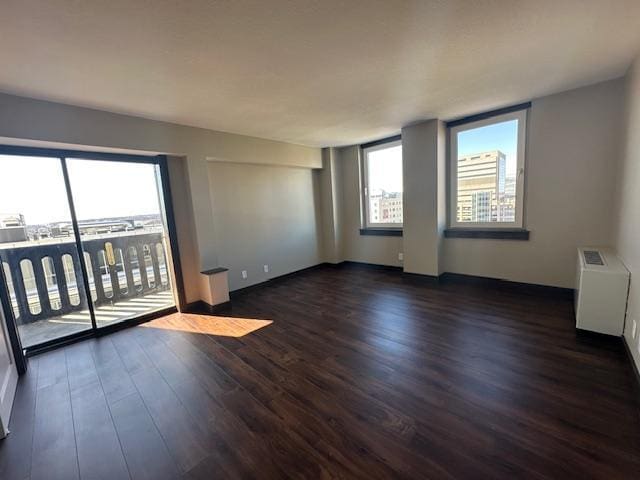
(572,146)
(627,213)
(264,215)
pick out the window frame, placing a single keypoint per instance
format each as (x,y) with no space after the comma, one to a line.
(364,187)
(521,115)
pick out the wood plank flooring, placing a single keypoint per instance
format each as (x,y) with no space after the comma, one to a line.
(338,372)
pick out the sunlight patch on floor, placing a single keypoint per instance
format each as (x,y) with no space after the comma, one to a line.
(208,324)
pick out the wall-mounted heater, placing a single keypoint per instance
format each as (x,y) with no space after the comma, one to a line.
(601,293)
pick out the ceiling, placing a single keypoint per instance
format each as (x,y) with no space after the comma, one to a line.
(319,73)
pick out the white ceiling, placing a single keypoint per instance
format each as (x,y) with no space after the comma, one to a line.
(324,72)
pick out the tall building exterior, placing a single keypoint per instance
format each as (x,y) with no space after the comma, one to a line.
(507,204)
(485,193)
(385,207)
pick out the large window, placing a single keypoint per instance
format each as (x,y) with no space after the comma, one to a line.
(487,171)
(382,185)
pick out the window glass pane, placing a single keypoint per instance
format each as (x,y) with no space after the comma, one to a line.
(164,279)
(90,277)
(487,168)
(51,281)
(148,263)
(12,292)
(121,231)
(70,277)
(135,269)
(36,250)
(384,186)
(121,271)
(29,280)
(105,274)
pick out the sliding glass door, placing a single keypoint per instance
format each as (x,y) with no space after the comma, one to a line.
(119,212)
(83,242)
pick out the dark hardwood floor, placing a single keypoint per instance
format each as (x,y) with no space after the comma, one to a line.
(362,374)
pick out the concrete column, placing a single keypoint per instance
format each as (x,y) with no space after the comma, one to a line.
(331,204)
(424,203)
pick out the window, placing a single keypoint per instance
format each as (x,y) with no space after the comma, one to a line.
(487,171)
(382,184)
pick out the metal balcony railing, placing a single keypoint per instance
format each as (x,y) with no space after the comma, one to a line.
(44,279)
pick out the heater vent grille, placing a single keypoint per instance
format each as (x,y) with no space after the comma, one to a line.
(592,257)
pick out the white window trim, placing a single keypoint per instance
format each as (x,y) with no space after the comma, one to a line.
(364,188)
(521,116)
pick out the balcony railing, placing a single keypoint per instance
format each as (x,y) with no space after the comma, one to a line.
(44,278)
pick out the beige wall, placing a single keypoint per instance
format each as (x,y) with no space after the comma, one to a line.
(24,120)
(627,216)
(572,142)
(264,215)
(356,247)
(572,146)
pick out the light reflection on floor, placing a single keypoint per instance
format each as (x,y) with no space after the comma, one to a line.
(208,324)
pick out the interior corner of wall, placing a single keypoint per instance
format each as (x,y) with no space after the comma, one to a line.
(202,210)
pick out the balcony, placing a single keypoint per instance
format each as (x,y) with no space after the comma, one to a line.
(127,276)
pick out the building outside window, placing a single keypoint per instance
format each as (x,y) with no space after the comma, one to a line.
(487,172)
(382,184)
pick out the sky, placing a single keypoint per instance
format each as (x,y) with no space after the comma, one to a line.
(385,170)
(499,136)
(385,166)
(34,187)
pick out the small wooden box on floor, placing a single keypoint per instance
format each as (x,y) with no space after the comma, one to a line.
(214,286)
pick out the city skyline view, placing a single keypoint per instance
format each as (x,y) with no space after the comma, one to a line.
(92,183)
(498,136)
(384,183)
(486,173)
(485,193)
(384,168)
(487,164)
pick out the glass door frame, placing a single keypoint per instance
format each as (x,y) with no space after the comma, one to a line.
(173,264)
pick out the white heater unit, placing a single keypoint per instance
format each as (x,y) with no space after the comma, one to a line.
(601,294)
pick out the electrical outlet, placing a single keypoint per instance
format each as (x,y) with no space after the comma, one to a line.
(244,274)
(266,269)
(634,328)
(400,256)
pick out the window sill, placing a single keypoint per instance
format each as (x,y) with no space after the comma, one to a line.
(495,233)
(382,232)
